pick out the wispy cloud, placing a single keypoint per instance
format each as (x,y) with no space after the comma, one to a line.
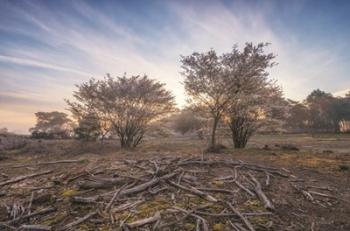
(45,49)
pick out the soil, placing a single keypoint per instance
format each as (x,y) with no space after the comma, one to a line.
(309,189)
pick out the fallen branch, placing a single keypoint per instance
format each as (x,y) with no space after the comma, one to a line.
(20,178)
(194,191)
(36,227)
(79,221)
(144,221)
(115,196)
(37,213)
(42,163)
(239,214)
(261,195)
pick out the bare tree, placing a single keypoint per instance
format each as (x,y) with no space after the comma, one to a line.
(206,85)
(51,125)
(250,100)
(126,104)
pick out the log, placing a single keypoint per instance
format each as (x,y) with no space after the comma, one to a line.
(20,178)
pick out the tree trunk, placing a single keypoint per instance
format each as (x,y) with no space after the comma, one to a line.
(213,132)
(240,131)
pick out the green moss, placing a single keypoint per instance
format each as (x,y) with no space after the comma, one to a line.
(219,227)
(189,226)
(253,205)
(55,219)
(218,183)
(70,192)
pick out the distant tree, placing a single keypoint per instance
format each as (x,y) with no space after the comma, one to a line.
(88,127)
(187,121)
(206,85)
(4,131)
(254,95)
(298,116)
(322,114)
(125,104)
(51,125)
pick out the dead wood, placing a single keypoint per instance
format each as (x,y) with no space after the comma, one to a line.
(261,195)
(79,221)
(242,217)
(194,191)
(42,163)
(115,196)
(144,221)
(126,206)
(37,213)
(20,178)
(243,188)
(35,227)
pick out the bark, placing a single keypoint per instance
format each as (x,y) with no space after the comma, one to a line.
(213,132)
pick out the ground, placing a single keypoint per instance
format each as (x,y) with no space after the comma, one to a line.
(309,188)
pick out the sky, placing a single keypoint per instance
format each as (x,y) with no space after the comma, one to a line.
(46,47)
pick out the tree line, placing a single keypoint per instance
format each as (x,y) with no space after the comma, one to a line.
(232,90)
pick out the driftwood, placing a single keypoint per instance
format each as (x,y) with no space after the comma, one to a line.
(79,221)
(37,213)
(20,178)
(144,221)
(42,163)
(243,218)
(100,183)
(194,191)
(126,206)
(261,195)
(129,189)
(35,227)
(115,196)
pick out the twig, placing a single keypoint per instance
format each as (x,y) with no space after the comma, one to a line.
(258,190)
(144,221)
(239,214)
(79,221)
(194,191)
(20,178)
(40,212)
(115,196)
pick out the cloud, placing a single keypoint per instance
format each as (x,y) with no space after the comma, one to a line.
(49,49)
(36,63)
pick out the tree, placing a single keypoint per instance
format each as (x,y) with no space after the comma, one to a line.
(254,96)
(89,127)
(206,85)
(186,122)
(298,116)
(88,111)
(51,125)
(4,131)
(322,114)
(126,105)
